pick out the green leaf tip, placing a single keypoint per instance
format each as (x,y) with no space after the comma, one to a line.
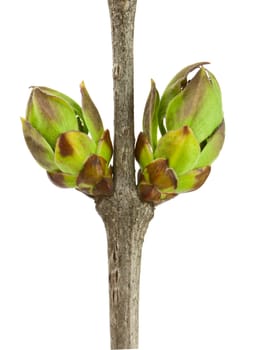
(38,146)
(143,150)
(104,146)
(150,116)
(91,115)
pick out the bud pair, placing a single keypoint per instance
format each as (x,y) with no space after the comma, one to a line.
(190,118)
(56,132)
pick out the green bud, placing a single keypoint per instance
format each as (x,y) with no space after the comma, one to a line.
(175,86)
(95,178)
(192,180)
(143,151)
(180,147)
(104,146)
(151,194)
(38,146)
(62,180)
(150,117)
(212,147)
(198,105)
(157,182)
(159,174)
(56,134)
(190,118)
(91,115)
(50,115)
(77,109)
(72,150)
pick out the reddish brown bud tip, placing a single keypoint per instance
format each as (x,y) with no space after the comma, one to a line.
(149,193)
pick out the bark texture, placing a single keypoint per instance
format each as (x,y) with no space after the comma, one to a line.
(126,218)
(122,14)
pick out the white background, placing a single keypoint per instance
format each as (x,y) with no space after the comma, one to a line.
(198,269)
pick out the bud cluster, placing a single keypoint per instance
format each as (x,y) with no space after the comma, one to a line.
(189,117)
(69,141)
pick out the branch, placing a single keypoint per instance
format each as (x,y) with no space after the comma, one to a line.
(126,218)
(122,13)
